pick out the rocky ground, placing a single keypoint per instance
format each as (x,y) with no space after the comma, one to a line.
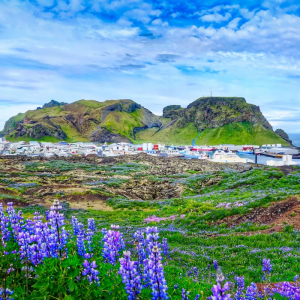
(278,215)
(87,182)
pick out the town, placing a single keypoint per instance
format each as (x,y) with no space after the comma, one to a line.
(227,153)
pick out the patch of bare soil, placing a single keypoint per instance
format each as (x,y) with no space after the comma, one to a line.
(286,170)
(282,213)
(87,198)
(7,191)
(150,189)
(17,203)
(87,201)
(101,205)
(270,286)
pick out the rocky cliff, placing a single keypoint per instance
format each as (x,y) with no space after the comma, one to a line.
(213,112)
(53,103)
(219,119)
(283,135)
(83,120)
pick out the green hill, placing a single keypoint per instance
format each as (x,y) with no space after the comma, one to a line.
(220,120)
(235,133)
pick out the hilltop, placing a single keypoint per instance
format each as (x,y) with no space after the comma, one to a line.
(218,119)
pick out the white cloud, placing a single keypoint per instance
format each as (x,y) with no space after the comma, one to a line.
(246,13)
(78,55)
(233,24)
(159,22)
(216,17)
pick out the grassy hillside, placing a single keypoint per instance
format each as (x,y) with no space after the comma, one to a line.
(169,135)
(240,133)
(237,133)
(82,120)
(220,120)
(49,139)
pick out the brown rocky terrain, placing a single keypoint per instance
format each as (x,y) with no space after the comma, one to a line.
(70,185)
(277,214)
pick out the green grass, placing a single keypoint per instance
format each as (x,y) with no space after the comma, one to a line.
(29,139)
(240,133)
(19,117)
(236,133)
(39,114)
(122,123)
(170,135)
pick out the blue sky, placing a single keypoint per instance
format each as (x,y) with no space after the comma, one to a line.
(156,53)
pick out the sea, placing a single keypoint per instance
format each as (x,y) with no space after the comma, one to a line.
(295,137)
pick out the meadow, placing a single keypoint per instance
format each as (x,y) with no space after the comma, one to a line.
(230,235)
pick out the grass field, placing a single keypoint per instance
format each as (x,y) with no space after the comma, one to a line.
(237,133)
(201,227)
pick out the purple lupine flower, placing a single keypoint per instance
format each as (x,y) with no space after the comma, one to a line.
(267,266)
(10,270)
(219,290)
(58,233)
(288,290)
(90,271)
(75,225)
(130,276)
(252,292)
(140,248)
(44,239)
(6,295)
(165,247)
(91,224)
(1,210)
(240,284)
(151,238)
(90,232)
(4,230)
(154,274)
(89,238)
(185,295)
(14,218)
(220,277)
(24,240)
(80,243)
(197,297)
(140,237)
(215,263)
(112,244)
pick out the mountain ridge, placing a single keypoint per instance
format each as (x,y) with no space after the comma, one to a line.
(125,120)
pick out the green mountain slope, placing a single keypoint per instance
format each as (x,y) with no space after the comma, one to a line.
(234,133)
(83,120)
(219,119)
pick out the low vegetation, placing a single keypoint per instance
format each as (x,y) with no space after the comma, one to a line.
(236,219)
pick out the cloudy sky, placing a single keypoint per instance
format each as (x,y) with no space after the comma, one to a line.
(154,52)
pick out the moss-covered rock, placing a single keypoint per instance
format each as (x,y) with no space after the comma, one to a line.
(283,135)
